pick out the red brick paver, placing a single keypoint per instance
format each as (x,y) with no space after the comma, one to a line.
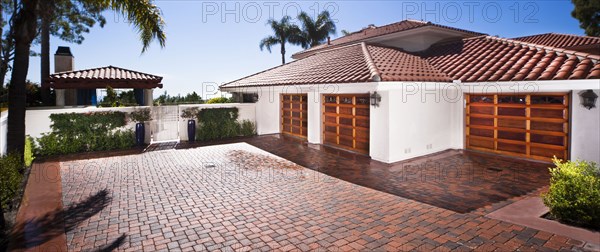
(210,199)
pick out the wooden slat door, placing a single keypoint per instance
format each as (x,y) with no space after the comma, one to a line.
(525,125)
(294,116)
(346,121)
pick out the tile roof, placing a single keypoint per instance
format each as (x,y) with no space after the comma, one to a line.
(567,41)
(349,64)
(100,77)
(105,73)
(371,32)
(486,58)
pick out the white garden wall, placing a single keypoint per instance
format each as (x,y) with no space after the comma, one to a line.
(38,121)
(3,130)
(247,111)
(585,130)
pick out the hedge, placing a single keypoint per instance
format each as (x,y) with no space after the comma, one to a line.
(77,132)
(221,123)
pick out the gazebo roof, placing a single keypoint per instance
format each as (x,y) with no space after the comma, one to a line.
(103,77)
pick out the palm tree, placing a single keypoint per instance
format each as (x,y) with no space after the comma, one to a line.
(143,14)
(285,32)
(315,32)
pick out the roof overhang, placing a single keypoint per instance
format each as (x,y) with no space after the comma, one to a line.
(89,84)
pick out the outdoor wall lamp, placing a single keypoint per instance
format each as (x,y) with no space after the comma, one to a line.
(588,99)
(375,99)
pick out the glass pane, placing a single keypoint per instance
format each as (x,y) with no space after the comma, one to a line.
(362,100)
(512,99)
(481,99)
(330,99)
(547,99)
(346,100)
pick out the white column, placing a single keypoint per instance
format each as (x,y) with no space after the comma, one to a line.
(60,97)
(314,117)
(148,97)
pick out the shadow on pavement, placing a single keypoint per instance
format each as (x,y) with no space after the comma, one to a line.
(37,231)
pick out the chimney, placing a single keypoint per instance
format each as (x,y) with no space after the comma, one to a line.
(63,60)
(328,40)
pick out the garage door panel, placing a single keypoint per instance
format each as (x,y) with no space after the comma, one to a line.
(512,123)
(512,147)
(481,121)
(511,111)
(482,143)
(547,126)
(294,114)
(547,139)
(548,113)
(511,135)
(533,125)
(346,121)
(481,110)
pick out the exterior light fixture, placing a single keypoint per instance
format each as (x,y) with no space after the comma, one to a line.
(375,99)
(588,99)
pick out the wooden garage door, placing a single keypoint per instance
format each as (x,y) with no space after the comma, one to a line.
(531,126)
(294,114)
(346,121)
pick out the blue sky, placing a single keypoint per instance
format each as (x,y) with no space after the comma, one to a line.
(217,41)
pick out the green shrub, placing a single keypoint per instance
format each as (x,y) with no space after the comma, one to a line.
(217,123)
(73,133)
(574,193)
(28,155)
(141,115)
(247,128)
(218,100)
(10,178)
(190,113)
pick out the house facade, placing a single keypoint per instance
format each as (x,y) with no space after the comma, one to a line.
(414,88)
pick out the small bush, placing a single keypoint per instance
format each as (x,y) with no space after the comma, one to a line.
(10,178)
(574,194)
(28,155)
(218,100)
(141,115)
(247,128)
(190,113)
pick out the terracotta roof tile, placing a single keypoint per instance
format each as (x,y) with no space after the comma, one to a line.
(101,77)
(567,41)
(105,73)
(371,32)
(355,63)
(488,58)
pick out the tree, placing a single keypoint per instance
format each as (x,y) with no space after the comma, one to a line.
(315,32)
(346,32)
(24,26)
(588,14)
(285,32)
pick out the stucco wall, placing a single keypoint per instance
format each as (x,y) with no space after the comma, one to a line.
(38,121)
(423,122)
(585,130)
(3,129)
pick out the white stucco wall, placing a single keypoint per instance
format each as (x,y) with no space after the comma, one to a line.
(585,130)
(422,119)
(37,121)
(3,130)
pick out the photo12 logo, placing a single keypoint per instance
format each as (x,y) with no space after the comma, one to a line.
(471,11)
(255,12)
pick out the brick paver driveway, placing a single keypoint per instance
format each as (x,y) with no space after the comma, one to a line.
(227,197)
